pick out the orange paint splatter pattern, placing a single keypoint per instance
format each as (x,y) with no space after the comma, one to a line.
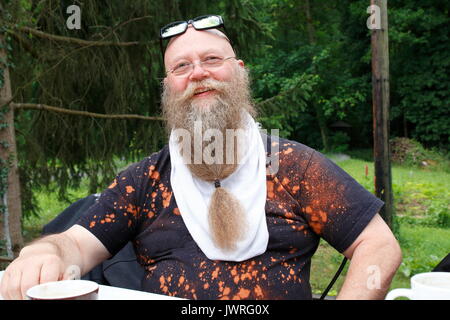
(306,199)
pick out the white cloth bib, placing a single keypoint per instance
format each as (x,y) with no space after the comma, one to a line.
(247,184)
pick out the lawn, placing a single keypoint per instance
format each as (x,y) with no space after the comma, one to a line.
(422,200)
(50,206)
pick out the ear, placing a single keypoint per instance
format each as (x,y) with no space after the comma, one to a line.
(241,63)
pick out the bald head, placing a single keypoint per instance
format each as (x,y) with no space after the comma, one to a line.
(194,42)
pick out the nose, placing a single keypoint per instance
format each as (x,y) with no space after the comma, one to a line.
(198,73)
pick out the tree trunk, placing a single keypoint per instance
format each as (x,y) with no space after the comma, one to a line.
(321,121)
(380,93)
(405,125)
(309,22)
(11,215)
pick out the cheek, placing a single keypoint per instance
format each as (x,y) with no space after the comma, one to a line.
(178,85)
(225,74)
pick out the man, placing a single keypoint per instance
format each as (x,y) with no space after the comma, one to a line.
(227,229)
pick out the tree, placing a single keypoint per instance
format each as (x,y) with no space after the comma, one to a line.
(86,101)
(421,87)
(308,46)
(317,107)
(10,200)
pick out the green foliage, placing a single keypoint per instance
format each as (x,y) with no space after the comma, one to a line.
(419,46)
(286,110)
(99,79)
(409,152)
(422,197)
(307,72)
(423,248)
(362,154)
(339,142)
(49,206)
(424,204)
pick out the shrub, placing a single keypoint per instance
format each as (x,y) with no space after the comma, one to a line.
(407,151)
(339,142)
(410,152)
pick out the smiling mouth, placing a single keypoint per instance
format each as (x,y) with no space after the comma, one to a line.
(202,91)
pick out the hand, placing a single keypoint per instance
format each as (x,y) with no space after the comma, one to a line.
(67,255)
(29,269)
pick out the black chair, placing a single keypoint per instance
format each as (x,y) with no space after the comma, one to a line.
(444,265)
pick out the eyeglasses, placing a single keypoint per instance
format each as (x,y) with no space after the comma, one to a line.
(183,69)
(179,27)
(199,23)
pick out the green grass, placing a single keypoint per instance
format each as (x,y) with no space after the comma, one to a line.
(50,206)
(421,196)
(422,248)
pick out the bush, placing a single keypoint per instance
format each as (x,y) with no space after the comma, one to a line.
(410,152)
(339,142)
(407,151)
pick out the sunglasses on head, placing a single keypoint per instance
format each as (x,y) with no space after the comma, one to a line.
(179,27)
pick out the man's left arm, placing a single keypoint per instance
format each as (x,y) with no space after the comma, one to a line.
(374,257)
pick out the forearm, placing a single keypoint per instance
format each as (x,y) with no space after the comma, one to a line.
(372,267)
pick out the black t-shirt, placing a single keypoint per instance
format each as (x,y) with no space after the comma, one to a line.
(308,198)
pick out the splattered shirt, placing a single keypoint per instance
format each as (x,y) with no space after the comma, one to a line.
(308,198)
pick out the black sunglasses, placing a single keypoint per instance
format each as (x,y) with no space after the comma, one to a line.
(179,27)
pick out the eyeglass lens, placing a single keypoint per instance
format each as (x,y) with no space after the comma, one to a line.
(209,64)
(174,29)
(206,22)
(198,23)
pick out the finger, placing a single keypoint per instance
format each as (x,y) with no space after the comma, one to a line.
(50,271)
(29,279)
(14,276)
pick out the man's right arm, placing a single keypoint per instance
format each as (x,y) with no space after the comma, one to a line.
(49,259)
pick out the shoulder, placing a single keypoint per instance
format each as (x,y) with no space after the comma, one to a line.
(288,156)
(291,148)
(156,161)
(292,155)
(138,174)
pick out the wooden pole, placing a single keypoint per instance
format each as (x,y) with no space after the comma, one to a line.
(380,96)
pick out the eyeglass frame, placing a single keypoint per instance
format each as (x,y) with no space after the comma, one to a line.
(190,22)
(200,63)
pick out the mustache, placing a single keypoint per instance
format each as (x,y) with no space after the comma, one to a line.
(188,94)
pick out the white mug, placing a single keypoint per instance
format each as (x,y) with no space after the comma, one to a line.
(425,286)
(64,290)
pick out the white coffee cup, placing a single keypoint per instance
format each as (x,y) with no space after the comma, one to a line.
(65,290)
(425,286)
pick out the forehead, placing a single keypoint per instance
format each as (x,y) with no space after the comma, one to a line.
(194,43)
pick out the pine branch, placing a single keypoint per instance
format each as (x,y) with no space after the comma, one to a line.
(35,106)
(120,25)
(278,96)
(24,44)
(28,47)
(77,41)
